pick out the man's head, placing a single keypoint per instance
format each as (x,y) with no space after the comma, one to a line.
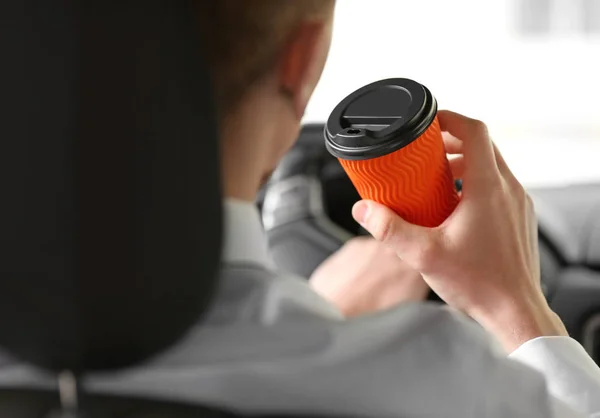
(266,57)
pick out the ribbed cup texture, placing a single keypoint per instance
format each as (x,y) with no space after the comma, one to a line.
(414,181)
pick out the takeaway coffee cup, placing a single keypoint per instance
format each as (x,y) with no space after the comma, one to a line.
(387,138)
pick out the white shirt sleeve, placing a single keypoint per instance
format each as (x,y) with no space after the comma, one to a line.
(571,375)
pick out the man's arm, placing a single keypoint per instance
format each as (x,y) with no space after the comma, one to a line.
(423,360)
(452,368)
(483,260)
(364,278)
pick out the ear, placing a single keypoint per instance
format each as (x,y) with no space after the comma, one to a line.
(302,62)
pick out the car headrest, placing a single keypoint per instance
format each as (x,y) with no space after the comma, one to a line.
(110,221)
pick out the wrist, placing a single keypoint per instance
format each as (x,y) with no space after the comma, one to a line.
(515,322)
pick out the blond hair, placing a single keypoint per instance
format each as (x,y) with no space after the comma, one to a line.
(244,38)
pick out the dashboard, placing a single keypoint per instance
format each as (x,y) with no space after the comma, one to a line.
(306,212)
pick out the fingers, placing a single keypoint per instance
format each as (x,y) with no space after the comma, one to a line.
(416,245)
(502,166)
(453,147)
(457,167)
(477,147)
(452,144)
(457,161)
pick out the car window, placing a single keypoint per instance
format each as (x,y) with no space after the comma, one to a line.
(529,68)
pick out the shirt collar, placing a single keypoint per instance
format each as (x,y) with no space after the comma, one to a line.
(245,240)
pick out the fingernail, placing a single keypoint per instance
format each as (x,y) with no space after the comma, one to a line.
(360,212)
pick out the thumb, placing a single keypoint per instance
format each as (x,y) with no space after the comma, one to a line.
(416,245)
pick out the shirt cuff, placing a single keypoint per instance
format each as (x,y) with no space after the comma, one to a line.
(571,374)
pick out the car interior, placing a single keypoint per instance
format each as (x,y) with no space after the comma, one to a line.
(103,235)
(306,206)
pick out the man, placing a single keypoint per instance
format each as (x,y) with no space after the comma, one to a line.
(272,345)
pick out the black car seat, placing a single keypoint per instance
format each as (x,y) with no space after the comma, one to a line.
(110,221)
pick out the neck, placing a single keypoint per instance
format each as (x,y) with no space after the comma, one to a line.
(252,143)
(245,159)
(240,180)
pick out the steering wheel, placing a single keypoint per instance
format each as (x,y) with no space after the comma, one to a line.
(306,211)
(297,209)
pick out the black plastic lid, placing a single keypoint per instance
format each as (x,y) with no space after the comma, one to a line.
(379,118)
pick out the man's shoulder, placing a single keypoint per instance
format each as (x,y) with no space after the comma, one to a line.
(262,337)
(261,290)
(384,362)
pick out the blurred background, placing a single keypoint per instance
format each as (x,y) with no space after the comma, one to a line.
(529,68)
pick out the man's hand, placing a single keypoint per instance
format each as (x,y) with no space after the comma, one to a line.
(484,258)
(366,276)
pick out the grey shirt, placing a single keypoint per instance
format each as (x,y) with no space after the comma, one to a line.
(270,344)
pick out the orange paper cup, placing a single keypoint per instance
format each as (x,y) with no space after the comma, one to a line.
(388,140)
